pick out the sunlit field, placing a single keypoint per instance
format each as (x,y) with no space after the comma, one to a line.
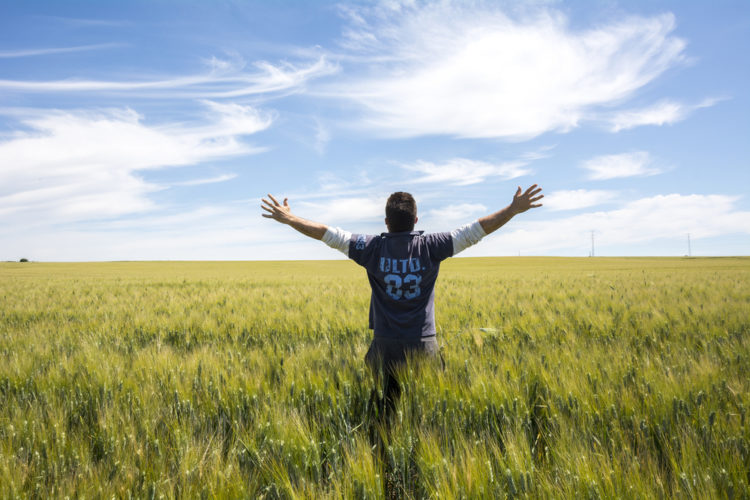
(565,378)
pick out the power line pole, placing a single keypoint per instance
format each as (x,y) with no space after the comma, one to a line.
(690,252)
(592,243)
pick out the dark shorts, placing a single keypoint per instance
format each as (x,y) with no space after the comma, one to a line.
(389,354)
(386,358)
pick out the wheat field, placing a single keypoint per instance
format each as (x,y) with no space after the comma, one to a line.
(564,378)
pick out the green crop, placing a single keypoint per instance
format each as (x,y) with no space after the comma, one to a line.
(564,378)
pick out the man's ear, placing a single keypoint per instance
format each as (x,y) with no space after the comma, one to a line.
(416,219)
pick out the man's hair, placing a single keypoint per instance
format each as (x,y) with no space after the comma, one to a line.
(401,212)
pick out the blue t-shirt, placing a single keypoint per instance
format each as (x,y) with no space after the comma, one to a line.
(402,269)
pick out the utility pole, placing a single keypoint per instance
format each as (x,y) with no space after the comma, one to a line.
(592,243)
(690,252)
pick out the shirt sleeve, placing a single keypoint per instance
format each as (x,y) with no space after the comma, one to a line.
(363,248)
(466,236)
(337,238)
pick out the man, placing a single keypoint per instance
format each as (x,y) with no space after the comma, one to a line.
(402,266)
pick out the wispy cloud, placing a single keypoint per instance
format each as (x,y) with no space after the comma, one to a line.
(665,112)
(651,219)
(168,220)
(214,84)
(230,119)
(620,165)
(322,137)
(576,199)
(474,71)
(84,22)
(463,172)
(343,210)
(8,54)
(84,165)
(233,233)
(215,232)
(209,180)
(445,218)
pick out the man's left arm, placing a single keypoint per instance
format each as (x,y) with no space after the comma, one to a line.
(470,234)
(522,201)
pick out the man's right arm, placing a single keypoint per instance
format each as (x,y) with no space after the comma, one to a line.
(337,238)
(283,213)
(334,237)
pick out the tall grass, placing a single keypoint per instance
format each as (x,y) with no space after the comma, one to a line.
(566,378)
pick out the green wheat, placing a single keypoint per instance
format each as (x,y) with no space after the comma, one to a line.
(565,378)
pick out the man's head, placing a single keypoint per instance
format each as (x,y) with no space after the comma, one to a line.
(400,212)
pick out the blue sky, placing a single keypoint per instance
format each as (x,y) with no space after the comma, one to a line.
(149,130)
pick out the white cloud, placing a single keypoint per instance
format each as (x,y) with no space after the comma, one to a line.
(473,71)
(665,112)
(641,221)
(84,165)
(232,120)
(443,219)
(227,65)
(576,199)
(215,233)
(620,165)
(322,137)
(209,180)
(342,210)
(223,80)
(170,220)
(239,232)
(7,54)
(78,22)
(463,172)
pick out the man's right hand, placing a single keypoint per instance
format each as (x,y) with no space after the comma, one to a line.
(277,211)
(283,214)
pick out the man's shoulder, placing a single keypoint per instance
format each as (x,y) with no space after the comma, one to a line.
(363,245)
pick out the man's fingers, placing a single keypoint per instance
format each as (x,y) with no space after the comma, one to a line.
(530,189)
(267,216)
(275,201)
(532,200)
(286,202)
(268,206)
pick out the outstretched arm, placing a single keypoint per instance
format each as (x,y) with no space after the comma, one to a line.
(521,203)
(283,214)
(470,234)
